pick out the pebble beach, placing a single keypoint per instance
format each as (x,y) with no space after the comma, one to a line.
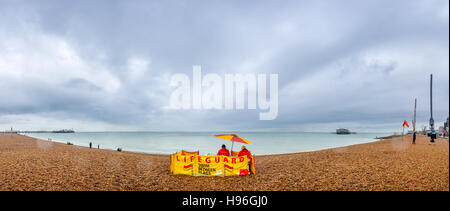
(391,164)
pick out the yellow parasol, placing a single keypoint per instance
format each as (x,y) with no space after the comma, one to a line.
(233,138)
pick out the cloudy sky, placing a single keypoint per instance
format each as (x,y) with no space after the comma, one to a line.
(107,65)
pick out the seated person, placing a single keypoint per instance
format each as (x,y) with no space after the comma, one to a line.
(244,152)
(223,151)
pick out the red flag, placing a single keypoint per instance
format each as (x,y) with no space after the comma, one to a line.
(405,123)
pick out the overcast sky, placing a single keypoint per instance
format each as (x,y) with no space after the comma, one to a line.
(107,65)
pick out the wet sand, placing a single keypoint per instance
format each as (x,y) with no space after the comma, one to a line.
(390,164)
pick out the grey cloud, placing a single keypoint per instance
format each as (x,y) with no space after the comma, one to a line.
(337,61)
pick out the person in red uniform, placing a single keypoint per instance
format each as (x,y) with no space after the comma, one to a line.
(223,151)
(244,152)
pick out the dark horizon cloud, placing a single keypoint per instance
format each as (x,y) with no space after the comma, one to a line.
(100,65)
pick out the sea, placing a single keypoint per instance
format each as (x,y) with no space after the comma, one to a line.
(265,143)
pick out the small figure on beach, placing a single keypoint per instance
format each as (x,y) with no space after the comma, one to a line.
(90,145)
(414,137)
(98,146)
(119,149)
(223,151)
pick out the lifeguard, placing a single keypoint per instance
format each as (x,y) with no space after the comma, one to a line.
(244,152)
(223,151)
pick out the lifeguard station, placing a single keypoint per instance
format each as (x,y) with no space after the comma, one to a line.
(194,164)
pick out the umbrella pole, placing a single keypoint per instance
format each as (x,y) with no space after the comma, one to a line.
(232,143)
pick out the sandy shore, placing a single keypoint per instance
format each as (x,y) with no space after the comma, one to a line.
(391,164)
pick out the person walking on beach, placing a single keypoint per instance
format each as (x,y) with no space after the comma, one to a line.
(223,151)
(90,145)
(414,137)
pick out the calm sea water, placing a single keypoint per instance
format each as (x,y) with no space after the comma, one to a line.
(206,142)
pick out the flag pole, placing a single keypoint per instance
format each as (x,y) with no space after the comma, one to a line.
(403,131)
(405,123)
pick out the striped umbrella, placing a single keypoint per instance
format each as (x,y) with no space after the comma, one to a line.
(233,138)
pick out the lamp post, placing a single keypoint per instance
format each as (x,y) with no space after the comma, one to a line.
(433,133)
(414,118)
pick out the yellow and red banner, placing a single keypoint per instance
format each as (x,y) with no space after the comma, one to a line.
(198,165)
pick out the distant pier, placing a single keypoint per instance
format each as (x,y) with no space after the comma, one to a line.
(343,131)
(41,131)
